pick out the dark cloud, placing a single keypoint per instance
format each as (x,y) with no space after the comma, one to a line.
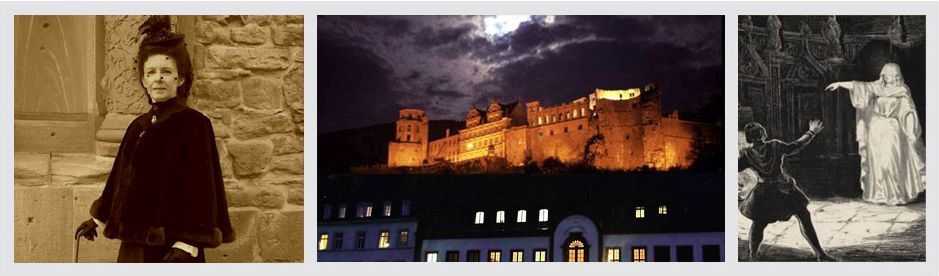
(446,64)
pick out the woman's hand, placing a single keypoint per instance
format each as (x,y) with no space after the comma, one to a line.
(844,84)
(87,230)
(816,126)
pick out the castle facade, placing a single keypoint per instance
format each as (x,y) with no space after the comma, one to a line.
(607,129)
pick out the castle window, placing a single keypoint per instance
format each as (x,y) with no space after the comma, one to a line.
(583,111)
(479,217)
(640,212)
(639,254)
(541,255)
(324,241)
(403,238)
(327,211)
(539,120)
(543,215)
(579,127)
(405,208)
(565,129)
(409,138)
(568,115)
(521,217)
(551,133)
(384,239)
(500,217)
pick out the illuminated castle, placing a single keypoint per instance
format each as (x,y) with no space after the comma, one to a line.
(608,129)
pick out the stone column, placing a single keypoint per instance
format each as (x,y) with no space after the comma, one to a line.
(126,98)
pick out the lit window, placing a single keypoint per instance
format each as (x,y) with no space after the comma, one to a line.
(337,241)
(479,217)
(387,211)
(543,215)
(640,212)
(539,120)
(384,239)
(431,257)
(327,211)
(342,211)
(576,252)
(500,217)
(495,256)
(324,241)
(453,256)
(521,217)
(583,111)
(405,208)
(639,254)
(612,254)
(518,256)
(663,210)
(360,240)
(368,210)
(403,238)
(541,255)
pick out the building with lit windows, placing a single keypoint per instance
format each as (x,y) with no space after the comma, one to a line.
(607,129)
(641,217)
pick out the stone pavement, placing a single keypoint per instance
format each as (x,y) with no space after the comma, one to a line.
(849,229)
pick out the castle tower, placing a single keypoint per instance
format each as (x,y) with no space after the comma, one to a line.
(409,147)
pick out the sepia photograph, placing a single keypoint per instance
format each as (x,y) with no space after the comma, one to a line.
(158,139)
(832,132)
(521,138)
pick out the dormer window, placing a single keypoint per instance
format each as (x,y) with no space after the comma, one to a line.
(479,217)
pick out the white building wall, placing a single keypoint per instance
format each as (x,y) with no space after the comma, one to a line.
(506,245)
(371,252)
(626,242)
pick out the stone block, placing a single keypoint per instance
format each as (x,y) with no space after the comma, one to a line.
(223,74)
(286,143)
(293,91)
(220,129)
(101,250)
(289,35)
(281,236)
(268,197)
(251,34)
(42,224)
(222,57)
(297,54)
(245,247)
(256,19)
(263,93)
(224,158)
(295,195)
(250,157)
(53,136)
(207,32)
(28,166)
(107,148)
(82,168)
(296,19)
(221,19)
(291,163)
(216,94)
(252,125)
(199,53)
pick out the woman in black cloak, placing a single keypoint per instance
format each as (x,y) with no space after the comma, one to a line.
(164,199)
(776,196)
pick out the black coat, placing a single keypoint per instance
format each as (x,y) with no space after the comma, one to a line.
(166,183)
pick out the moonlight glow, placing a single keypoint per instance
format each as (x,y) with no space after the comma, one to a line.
(499,25)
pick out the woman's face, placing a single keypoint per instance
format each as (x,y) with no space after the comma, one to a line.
(160,77)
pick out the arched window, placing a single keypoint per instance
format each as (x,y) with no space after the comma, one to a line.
(479,217)
(500,217)
(521,217)
(543,215)
(576,251)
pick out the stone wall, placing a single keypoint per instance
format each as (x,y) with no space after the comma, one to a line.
(249,82)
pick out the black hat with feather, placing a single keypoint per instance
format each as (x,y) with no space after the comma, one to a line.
(158,38)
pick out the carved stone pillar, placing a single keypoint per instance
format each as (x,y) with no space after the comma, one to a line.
(121,83)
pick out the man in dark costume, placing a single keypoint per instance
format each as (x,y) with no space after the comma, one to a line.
(776,196)
(164,199)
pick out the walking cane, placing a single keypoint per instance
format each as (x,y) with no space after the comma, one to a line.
(75,248)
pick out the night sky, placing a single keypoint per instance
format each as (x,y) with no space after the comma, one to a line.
(369,67)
